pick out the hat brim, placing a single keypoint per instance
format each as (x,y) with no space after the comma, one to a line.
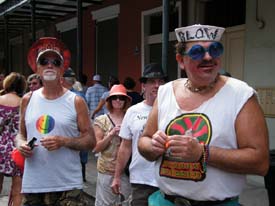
(144,79)
(119,93)
(48,51)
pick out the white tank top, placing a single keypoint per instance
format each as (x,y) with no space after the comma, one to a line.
(212,123)
(58,170)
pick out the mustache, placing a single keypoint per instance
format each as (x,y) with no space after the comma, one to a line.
(206,63)
(49,70)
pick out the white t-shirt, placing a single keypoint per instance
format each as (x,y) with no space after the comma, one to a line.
(213,123)
(141,170)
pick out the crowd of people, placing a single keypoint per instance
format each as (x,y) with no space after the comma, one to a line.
(190,141)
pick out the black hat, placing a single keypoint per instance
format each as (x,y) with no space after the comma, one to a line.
(152,71)
(69,73)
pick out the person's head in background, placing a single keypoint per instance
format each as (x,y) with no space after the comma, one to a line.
(112,81)
(14,83)
(118,95)
(152,77)
(129,83)
(97,79)
(34,82)
(68,79)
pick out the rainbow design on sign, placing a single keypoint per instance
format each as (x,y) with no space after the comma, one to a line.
(45,124)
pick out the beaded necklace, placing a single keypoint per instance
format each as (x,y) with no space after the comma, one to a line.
(189,86)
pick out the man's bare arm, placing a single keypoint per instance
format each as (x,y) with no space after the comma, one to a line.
(252,155)
(124,153)
(86,140)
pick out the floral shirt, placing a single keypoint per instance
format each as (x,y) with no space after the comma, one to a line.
(9,123)
(107,158)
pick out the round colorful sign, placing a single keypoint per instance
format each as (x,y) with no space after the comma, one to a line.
(45,124)
(197,124)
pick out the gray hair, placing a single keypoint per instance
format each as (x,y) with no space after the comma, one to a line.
(33,76)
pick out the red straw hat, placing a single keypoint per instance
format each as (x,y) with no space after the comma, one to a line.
(48,44)
(118,89)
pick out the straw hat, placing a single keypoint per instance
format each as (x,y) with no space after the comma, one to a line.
(118,89)
(45,45)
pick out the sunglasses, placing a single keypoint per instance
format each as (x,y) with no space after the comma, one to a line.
(197,52)
(120,97)
(55,62)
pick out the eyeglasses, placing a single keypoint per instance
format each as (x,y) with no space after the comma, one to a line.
(120,97)
(44,62)
(197,52)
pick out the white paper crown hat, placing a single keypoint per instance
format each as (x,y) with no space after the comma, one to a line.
(199,32)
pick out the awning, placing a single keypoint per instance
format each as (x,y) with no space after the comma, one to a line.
(17,13)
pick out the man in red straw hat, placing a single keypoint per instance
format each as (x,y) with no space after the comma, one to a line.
(59,119)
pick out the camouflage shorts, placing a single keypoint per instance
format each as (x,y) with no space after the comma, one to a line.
(67,198)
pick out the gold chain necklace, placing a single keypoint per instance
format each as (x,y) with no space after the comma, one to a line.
(189,86)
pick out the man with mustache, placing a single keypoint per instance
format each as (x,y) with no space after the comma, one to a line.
(59,119)
(206,131)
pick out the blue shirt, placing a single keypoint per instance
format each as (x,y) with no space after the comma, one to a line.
(93,96)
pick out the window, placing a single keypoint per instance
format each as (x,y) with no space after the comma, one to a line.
(152,38)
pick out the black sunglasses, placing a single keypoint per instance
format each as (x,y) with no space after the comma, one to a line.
(44,62)
(120,97)
(197,52)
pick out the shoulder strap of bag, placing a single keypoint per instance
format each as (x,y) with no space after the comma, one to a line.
(111,120)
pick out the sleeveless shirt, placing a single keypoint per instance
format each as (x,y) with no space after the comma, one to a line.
(214,122)
(58,170)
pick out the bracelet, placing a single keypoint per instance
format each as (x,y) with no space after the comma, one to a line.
(204,158)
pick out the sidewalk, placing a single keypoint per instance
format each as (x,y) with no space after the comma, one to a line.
(91,176)
(254,193)
(4,196)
